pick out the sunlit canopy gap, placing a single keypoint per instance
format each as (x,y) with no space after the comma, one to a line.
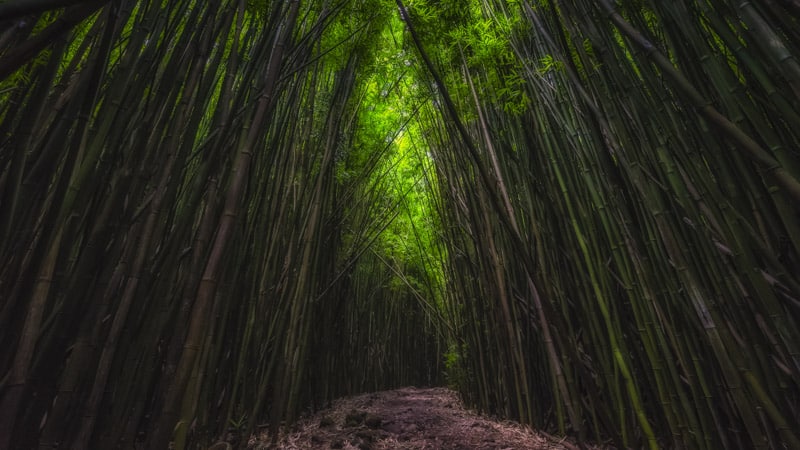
(581,215)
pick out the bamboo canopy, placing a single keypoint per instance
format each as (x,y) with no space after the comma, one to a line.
(582,215)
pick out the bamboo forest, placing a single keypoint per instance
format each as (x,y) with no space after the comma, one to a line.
(581,215)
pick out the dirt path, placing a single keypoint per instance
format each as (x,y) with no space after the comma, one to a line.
(408,418)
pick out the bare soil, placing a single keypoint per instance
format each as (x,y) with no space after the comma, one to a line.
(408,418)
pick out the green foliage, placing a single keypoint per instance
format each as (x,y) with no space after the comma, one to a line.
(238,422)
(456,374)
(548,64)
(485,43)
(23,75)
(258,7)
(388,135)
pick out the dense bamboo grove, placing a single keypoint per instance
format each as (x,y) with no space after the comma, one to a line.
(582,214)
(182,212)
(634,240)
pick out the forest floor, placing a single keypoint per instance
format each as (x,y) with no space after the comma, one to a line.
(408,418)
